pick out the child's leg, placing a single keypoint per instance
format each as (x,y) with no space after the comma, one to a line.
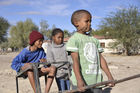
(50,78)
(51,74)
(49,83)
(60,84)
(30,75)
(31,79)
(68,84)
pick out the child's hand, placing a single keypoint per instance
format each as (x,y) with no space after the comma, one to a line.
(81,85)
(43,60)
(27,65)
(112,84)
(43,69)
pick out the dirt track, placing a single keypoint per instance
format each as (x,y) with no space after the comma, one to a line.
(120,66)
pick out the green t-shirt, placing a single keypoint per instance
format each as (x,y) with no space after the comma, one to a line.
(88,49)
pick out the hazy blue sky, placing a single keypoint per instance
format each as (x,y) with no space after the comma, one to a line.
(59,12)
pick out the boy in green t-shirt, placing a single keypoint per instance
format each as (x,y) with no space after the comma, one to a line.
(86,54)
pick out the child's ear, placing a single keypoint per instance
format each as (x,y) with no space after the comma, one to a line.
(52,37)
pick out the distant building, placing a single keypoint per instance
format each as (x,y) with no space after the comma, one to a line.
(104,42)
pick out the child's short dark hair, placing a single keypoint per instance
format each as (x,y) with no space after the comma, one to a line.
(77,15)
(56,31)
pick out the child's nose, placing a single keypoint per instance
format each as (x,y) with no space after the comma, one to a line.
(60,38)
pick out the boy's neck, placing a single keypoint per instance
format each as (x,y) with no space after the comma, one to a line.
(32,48)
(82,32)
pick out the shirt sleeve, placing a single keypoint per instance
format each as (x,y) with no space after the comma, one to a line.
(72,45)
(44,46)
(100,49)
(44,55)
(17,62)
(49,54)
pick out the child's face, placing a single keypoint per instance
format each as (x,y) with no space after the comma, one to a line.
(84,24)
(38,43)
(58,38)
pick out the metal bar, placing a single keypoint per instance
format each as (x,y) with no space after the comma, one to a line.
(17,84)
(20,75)
(23,71)
(127,78)
(36,77)
(45,79)
(104,83)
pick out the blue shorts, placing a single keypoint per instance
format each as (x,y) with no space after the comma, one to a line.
(63,84)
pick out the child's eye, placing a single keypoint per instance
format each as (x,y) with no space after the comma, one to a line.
(87,20)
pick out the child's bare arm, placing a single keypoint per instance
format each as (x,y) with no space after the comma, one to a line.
(105,68)
(76,68)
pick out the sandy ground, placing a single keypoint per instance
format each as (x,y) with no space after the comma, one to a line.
(120,67)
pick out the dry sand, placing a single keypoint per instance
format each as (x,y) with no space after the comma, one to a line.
(120,66)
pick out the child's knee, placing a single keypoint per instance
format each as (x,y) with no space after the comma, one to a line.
(29,72)
(53,68)
(27,65)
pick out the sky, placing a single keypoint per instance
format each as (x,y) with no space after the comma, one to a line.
(58,12)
